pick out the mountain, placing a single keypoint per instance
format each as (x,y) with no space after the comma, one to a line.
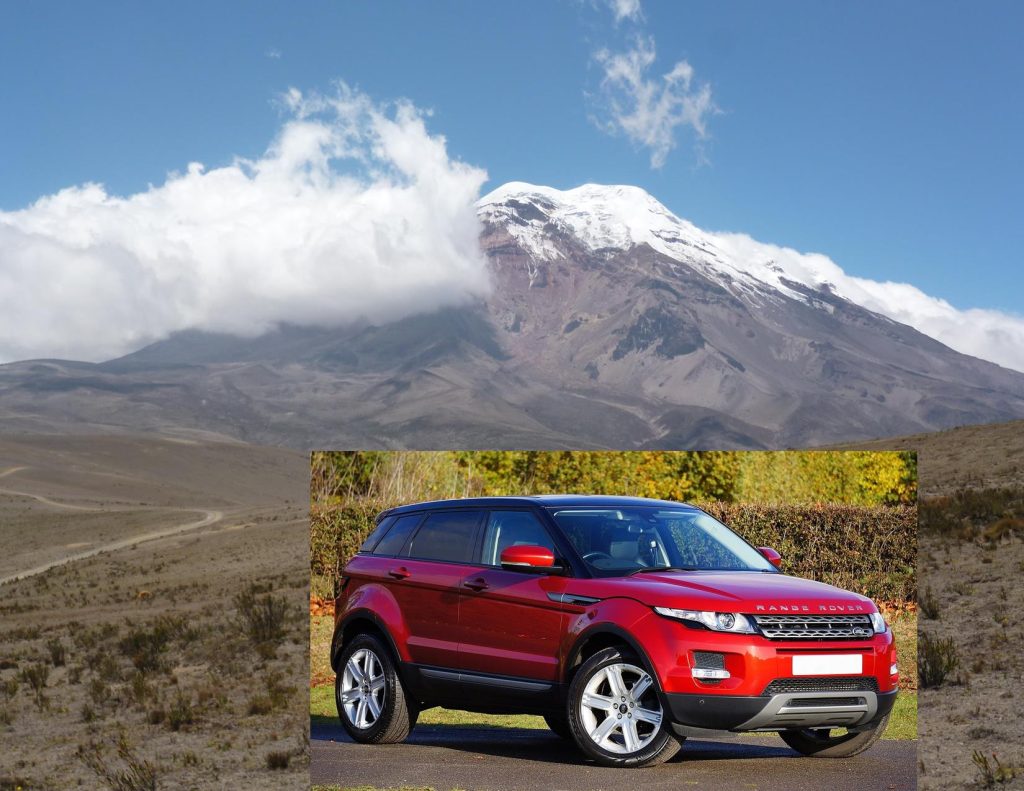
(611,323)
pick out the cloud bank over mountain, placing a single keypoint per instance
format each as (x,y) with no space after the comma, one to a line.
(354,210)
(991,335)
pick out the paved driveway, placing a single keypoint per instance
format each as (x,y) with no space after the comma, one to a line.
(481,759)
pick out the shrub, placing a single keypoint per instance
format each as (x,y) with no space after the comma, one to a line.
(145,647)
(259,705)
(35,676)
(181,712)
(262,614)
(970,508)
(57,652)
(278,760)
(937,659)
(135,775)
(928,604)
(868,549)
(992,774)
(141,691)
(99,691)
(1001,528)
(9,688)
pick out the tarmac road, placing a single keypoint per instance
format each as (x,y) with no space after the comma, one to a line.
(481,759)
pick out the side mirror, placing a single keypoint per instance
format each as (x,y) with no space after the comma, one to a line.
(773,557)
(528,558)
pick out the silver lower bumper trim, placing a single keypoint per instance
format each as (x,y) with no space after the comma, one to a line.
(814,710)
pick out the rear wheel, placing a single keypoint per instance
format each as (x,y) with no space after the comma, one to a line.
(372,703)
(615,714)
(835,742)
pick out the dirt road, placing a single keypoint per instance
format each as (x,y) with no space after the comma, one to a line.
(209,518)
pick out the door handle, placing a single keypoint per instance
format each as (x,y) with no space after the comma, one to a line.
(478,584)
(400,573)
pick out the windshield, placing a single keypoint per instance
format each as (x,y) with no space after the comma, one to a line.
(618,541)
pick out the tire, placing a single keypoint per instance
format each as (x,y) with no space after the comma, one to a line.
(559,725)
(372,704)
(611,674)
(820,743)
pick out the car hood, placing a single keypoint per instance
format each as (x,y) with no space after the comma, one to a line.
(728,591)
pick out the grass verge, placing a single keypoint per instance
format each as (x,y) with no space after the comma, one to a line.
(902,722)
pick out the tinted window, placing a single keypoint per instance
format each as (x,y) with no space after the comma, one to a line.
(513,528)
(448,536)
(395,538)
(377,534)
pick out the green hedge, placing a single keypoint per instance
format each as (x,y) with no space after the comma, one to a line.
(868,549)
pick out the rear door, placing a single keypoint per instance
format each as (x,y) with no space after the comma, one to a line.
(425,580)
(508,622)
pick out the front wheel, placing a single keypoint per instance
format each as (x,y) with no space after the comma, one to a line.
(559,725)
(615,714)
(372,703)
(834,743)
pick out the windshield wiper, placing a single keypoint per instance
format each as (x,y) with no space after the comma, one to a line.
(662,568)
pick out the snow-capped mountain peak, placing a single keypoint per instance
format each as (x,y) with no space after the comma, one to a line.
(607,218)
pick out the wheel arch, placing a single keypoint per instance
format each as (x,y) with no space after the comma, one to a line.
(361,621)
(597,638)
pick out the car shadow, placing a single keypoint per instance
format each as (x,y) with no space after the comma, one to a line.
(544,746)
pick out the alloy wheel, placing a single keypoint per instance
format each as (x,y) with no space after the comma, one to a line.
(619,709)
(361,694)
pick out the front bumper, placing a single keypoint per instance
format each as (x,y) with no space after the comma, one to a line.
(781,711)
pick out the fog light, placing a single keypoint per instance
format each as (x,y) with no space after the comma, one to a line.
(709,672)
(894,669)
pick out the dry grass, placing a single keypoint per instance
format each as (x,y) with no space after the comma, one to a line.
(169,673)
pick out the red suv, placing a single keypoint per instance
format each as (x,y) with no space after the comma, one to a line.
(628,623)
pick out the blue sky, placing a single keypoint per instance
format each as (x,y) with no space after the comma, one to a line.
(887,136)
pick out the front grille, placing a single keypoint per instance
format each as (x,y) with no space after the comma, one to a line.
(815,627)
(826,684)
(797,703)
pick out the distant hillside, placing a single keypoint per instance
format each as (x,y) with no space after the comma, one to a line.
(968,456)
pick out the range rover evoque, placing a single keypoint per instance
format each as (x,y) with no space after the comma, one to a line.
(627,623)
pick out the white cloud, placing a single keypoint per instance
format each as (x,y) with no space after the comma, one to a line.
(354,210)
(649,110)
(626,9)
(988,334)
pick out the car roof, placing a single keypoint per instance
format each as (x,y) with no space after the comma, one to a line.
(543,500)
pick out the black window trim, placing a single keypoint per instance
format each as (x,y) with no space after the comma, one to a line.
(572,565)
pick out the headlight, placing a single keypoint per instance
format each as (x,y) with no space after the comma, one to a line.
(878,622)
(717,621)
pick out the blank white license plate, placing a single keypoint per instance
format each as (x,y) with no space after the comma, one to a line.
(827,664)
